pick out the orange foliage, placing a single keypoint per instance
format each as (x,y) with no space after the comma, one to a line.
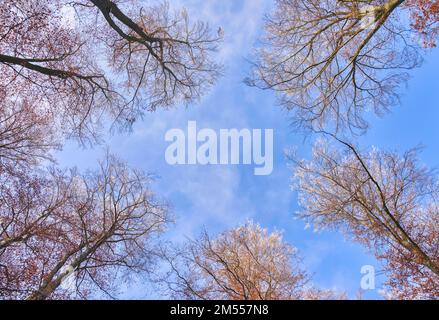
(425,18)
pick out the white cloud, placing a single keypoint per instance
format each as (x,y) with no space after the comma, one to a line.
(214,198)
(240,20)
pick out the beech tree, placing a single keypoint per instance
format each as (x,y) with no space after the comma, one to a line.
(64,75)
(385,201)
(246,263)
(91,227)
(332,60)
(118,60)
(27,135)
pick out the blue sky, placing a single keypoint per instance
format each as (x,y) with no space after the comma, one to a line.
(220,197)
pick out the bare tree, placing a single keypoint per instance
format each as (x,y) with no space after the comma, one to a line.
(385,201)
(87,226)
(163,58)
(64,76)
(246,263)
(44,60)
(332,60)
(118,60)
(27,203)
(425,19)
(29,222)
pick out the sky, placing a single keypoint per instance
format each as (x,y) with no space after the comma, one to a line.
(221,197)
